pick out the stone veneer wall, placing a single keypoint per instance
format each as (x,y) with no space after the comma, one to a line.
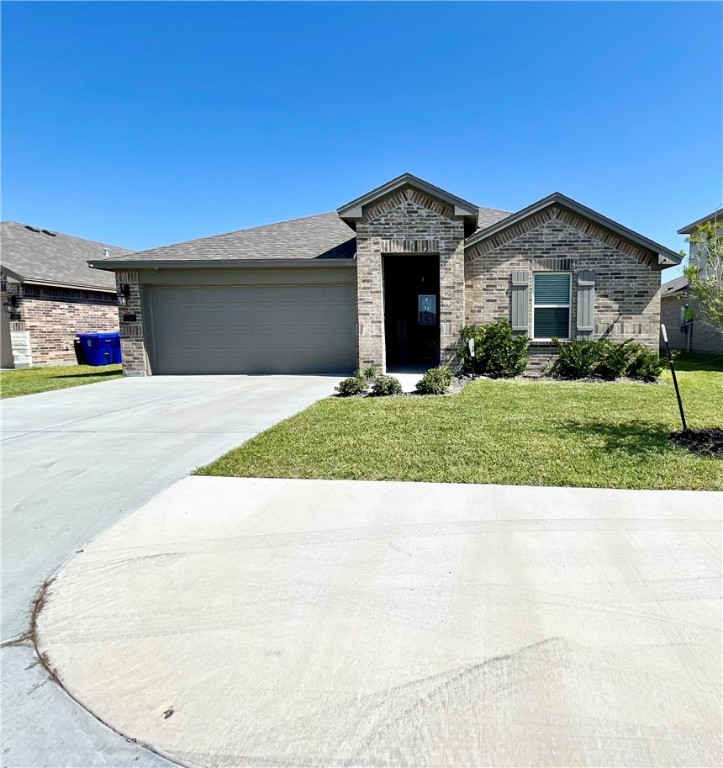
(51,317)
(627,282)
(133,349)
(410,222)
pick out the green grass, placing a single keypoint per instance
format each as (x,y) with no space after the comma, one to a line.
(28,381)
(509,432)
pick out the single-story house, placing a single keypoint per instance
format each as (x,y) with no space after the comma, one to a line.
(681,312)
(388,279)
(49,294)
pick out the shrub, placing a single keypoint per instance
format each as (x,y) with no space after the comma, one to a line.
(370,373)
(576,359)
(644,363)
(498,350)
(354,385)
(386,385)
(614,359)
(435,381)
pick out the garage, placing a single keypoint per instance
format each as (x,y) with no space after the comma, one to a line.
(252,321)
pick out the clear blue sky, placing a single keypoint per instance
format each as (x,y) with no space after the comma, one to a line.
(148,123)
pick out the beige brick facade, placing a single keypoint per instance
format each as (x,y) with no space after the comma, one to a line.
(48,319)
(408,221)
(133,349)
(627,286)
(704,338)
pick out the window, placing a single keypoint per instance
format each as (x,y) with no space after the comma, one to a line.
(551,305)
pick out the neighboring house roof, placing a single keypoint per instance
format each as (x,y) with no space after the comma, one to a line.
(666,257)
(715,216)
(674,287)
(33,255)
(320,237)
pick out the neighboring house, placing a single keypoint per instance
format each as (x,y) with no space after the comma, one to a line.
(680,312)
(49,294)
(389,279)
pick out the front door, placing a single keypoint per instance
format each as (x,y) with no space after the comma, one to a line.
(411,311)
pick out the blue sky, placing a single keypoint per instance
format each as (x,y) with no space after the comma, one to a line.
(147,123)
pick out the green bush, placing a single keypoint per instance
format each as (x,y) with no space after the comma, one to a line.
(354,385)
(614,359)
(370,373)
(435,381)
(576,359)
(386,385)
(644,363)
(498,350)
(583,358)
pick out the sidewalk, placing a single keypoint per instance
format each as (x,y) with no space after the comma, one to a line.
(248,621)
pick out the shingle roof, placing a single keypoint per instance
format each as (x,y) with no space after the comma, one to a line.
(677,285)
(490,216)
(33,255)
(324,236)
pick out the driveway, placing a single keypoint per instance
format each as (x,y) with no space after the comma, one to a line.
(76,461)
(257,622)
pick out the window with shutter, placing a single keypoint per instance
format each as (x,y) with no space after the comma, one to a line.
(551,302)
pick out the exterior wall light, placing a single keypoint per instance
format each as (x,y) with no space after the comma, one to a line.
(11,303)
(124,293)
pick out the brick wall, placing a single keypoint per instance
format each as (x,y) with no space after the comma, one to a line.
(627,284)
(51,317)
(705,339)
(135,360)
(408,221)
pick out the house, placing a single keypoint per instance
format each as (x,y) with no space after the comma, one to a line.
(388,279)
(49,294)
(681,313)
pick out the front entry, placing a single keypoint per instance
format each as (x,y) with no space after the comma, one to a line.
(411,311)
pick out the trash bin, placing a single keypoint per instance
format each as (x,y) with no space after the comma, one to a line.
(79,354)
(100,348)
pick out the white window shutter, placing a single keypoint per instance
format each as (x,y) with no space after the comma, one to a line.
(520,300)
(585,300)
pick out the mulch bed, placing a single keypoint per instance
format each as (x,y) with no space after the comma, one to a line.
(708,442)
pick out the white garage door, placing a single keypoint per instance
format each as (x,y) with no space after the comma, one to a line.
(303,328)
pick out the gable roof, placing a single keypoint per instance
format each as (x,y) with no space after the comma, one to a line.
(674,286)
(323,237)
(352,211)
(688,228)
(33,255)
(666,257)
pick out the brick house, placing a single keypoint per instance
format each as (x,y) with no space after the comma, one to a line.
(49,294)
(388,279)
(681,313)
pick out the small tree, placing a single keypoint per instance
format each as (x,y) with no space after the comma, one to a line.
(705,273)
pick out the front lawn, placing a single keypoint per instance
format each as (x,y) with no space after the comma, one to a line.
(509,432)
(28,381)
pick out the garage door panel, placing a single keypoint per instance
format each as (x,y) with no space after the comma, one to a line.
(253,329)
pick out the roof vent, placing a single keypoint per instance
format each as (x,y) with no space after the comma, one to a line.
(45,232)
(106,252)
(32,229)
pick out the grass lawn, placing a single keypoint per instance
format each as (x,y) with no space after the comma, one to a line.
(28,381)
(509,432)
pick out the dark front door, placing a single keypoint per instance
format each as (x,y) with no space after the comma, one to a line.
(411,311)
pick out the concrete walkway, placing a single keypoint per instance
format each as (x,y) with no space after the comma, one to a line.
(74,462)
(286,622)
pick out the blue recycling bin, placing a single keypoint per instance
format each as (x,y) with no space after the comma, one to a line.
(100,348)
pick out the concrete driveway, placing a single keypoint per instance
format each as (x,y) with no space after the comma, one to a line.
(74,462)
(237,622)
